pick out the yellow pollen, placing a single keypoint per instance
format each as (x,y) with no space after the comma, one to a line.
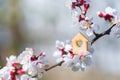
(88,25)
(112,22)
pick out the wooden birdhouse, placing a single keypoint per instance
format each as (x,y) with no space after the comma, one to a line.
(79,42)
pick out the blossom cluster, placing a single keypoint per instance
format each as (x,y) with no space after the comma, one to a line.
(111,15)
(77,61)
(79,9)
(26,66)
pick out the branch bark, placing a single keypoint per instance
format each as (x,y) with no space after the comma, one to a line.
(107,32)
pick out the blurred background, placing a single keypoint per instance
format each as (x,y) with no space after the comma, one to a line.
(39,23)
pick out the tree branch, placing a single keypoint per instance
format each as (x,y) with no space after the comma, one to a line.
(107,32)
(97,36)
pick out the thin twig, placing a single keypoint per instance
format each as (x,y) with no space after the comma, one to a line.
(107,32)
(96,34)
(58,64)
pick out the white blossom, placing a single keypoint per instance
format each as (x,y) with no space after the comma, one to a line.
(59,44)
(4,73)
(75,13)
(89,32)
(68,47)
(32,70)
(111,11)
(88,26)
(24,57)
(24,77)
(75,62)
(68,3)
(115,31)
(11,60)
(57,54)
(26,66)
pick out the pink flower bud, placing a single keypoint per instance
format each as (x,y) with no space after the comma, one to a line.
(42,54)
(12,74)
(108,17)
(81,18)
(81,1)
(15,64)
(73,5)
(86,6)
(20,71)
(101,14)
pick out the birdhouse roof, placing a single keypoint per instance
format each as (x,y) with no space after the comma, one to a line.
(81,37)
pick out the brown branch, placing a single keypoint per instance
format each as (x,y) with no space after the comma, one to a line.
(58,64)
(97,36)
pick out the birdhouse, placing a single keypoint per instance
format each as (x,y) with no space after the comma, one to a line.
(79,42)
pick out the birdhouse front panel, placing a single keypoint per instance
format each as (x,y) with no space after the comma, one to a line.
(79,38)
